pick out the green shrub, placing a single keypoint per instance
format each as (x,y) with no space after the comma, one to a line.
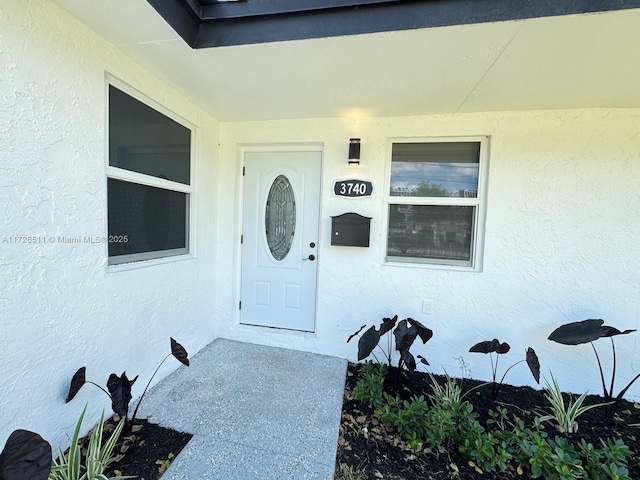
(369,388)
(489,450)
(607,462)
(445,419)
(435,423)
(408,417)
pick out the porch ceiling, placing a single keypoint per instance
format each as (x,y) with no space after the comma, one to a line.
(569,61)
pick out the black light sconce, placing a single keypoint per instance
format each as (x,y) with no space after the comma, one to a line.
(354,152)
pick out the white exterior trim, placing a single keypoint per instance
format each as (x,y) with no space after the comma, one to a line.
(126,262)
(481,213)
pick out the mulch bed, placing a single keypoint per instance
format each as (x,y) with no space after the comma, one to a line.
(375,452)
(378,454)
(146,453)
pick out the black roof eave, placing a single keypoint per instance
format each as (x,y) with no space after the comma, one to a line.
(225,24)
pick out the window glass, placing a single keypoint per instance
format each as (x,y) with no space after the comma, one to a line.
(433,203)
(280,217)
(144,140)
(145,219)
(148,182)
(430,232)
(435,169)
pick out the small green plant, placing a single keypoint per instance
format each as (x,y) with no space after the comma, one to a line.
(588,331)
(446,416)
(450,419)
(494,346)
(69,466)
(486,450)
(450,393)
(370,386)
(566,463)
(432,422)
(492,449)
(166,463)
(347,472)
(566,416)
(558,459)
(407,416)
(607,462)
(120,387)
(536,451)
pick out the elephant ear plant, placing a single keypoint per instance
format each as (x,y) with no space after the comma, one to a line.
(494,346)
(119,388)
(26,455)
(405,333)
(588,331)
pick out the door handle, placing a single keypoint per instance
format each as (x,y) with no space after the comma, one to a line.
(310,257)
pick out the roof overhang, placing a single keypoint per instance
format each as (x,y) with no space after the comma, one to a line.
(558,61)
(217,23)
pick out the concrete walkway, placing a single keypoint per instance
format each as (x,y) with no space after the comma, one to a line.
(256,413)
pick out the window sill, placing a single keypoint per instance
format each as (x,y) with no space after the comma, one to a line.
(433,266)
(149,263)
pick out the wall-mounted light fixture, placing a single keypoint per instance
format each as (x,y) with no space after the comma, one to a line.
(354,152)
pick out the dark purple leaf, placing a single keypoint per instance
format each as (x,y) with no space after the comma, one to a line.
(575,333)
(534,363)
(179,352)
(356,333)
(26,456)
(387,324)
(368,342)
(488,346)
(78,380)
(120,390)
(503,348)
(400,332)
(424,332)
(423,360)
(408,360)
(404,336)
(612,331)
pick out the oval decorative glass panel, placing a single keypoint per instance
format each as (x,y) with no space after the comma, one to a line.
(280,217)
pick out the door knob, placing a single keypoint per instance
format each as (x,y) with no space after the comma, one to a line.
(310,257)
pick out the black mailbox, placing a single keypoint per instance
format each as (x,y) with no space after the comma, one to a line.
(350,230)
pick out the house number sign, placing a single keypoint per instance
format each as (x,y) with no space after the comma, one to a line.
(352,188)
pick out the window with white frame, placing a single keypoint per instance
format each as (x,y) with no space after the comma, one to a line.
(436,202)
(148,182)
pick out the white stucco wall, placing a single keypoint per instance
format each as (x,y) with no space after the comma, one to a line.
(560,239)
(561,242)
(60,306)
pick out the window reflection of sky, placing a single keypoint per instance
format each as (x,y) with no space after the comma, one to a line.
(453,177)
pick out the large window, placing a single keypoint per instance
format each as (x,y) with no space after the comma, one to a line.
(149,182)
(435,202)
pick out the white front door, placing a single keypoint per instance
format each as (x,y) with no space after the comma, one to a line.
(280,239)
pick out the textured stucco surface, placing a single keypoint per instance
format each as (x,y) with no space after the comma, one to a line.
(60,306)
(560,241)
(561,238)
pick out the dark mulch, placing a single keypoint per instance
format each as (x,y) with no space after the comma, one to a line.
(145,453)
(376,454)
